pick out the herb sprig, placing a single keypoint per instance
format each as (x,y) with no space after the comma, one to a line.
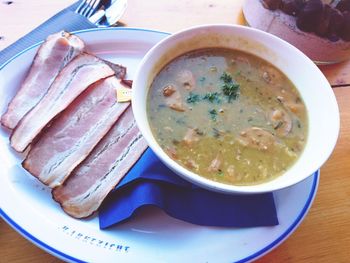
(213,114)
(230,88)
(193,98)
(213,97)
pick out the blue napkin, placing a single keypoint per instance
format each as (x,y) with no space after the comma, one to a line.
(151,183)
(66,19)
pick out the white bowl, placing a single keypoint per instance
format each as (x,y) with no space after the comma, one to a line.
(322,108)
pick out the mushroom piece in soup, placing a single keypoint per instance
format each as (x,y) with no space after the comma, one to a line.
(228,116)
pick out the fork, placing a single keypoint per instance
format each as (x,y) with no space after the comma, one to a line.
(87,7)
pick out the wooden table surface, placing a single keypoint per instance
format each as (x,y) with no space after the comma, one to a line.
(324,235)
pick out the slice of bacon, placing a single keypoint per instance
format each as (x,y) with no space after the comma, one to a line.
(84,190)
(57,50)
(74,133)
(78,75)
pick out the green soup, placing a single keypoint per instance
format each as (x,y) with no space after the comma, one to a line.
(228,116)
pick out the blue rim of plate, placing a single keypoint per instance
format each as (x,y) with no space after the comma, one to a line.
(64,256)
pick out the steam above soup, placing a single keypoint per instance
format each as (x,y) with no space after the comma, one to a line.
(228,116)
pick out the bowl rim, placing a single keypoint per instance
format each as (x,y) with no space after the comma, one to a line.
(198,179)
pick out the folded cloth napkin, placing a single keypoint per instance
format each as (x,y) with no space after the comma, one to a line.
(67,20)
(150,182)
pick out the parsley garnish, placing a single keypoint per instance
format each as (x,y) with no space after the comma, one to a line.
(229,88)
(213,114)
(192,98)
(212,97)
(226,78)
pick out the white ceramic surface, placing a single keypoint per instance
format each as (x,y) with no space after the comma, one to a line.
(153,236)
(314,88)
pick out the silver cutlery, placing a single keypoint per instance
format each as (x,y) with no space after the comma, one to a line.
(87,7)
(105,17)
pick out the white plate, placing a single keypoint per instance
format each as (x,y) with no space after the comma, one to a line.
(153,236)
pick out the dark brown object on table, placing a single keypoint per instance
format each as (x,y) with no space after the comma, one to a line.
(323,26)
(343,5)
(345,31)
(292,7)
(271,4)
(335,24)
(310,16)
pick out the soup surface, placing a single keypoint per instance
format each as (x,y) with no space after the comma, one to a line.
(228,116)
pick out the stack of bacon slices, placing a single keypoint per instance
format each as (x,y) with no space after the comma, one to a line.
(77,139)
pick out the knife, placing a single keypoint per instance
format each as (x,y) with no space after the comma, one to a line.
(109,16)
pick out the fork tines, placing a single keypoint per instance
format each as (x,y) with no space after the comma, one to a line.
(87,7)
